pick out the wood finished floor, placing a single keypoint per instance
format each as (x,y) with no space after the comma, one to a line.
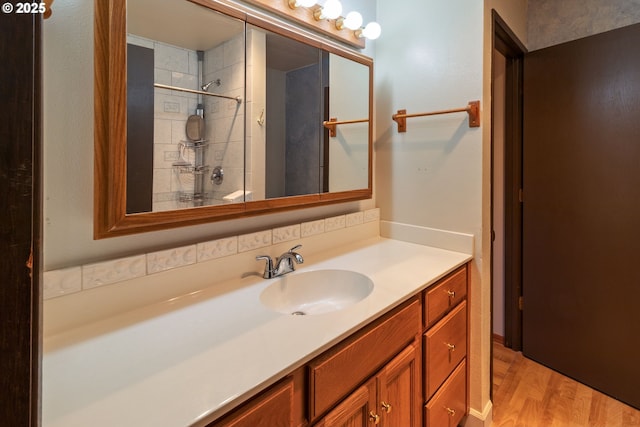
(527,394)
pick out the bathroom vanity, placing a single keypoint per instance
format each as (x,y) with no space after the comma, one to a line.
(223,357)
(375,376)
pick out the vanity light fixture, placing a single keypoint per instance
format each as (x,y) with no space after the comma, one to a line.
(371,31)
(294,4)
(352,21)
(323,16)
(330,10)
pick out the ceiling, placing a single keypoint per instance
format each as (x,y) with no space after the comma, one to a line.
(180,23)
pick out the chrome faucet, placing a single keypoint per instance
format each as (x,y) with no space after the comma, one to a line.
(284,263)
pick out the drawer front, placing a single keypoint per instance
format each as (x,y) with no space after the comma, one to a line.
(449,405)
(441,298)
(445,347)
(338,371)
(272,408)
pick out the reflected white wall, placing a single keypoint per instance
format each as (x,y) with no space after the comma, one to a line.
(348,150)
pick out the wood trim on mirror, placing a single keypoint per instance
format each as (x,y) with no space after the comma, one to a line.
(110,133)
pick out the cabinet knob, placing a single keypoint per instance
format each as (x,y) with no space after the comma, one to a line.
(386,406)
(450,411)
(373,417)
(451,347)
(452,294)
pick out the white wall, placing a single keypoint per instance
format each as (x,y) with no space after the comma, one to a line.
(68,153)
(430,58)
(348,154)
(437,55)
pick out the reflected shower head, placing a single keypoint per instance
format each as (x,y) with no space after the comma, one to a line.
(205,86)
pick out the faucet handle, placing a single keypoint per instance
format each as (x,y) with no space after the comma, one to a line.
(295,248)
(296,255)
(268,268)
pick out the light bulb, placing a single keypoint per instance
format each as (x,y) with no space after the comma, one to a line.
(331,10)
(294,4)
(353,20)
(371,31)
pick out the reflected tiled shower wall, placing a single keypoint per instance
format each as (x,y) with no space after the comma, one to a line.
(224,119)
(173,66)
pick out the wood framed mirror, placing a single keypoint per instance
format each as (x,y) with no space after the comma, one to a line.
(219,123)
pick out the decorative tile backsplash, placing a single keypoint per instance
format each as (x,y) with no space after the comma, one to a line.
(75,279)
(62,282)
(286,234)
(312,228)
(335,223)
(172,258)
(251,241)
(118,270)
(356,218)
(372,215)
(217,248)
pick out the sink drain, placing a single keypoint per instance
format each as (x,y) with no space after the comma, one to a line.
(298,313)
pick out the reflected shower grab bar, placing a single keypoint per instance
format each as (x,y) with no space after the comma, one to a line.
(198,92)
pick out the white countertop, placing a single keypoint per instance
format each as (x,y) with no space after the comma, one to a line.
(185,361)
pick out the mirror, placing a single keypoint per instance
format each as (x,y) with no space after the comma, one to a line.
(292,84)
(223,118)
(185,112)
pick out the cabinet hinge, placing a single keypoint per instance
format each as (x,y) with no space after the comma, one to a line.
(520,195)
(520,303)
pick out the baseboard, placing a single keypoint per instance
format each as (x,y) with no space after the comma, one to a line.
(443,239)
(498,339)
(480,419)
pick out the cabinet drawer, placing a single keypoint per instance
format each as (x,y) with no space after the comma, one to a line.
(445,347)
(271,408)
(442,297)
(449,405)
(338,371)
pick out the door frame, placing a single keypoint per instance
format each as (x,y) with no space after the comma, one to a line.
(507,43)
(20,245)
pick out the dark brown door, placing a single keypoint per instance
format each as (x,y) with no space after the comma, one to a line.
(581,248)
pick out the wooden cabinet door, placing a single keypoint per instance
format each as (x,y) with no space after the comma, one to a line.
(273,408)
(399,397)
(357,410)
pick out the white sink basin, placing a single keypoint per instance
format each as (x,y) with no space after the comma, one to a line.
(316,292)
